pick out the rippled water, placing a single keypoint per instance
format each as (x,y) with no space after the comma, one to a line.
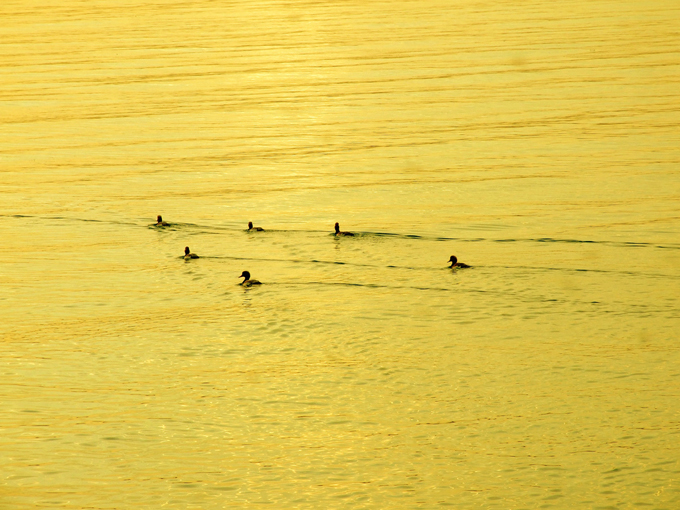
(536,141)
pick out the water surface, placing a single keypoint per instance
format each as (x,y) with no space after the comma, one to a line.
(537,142)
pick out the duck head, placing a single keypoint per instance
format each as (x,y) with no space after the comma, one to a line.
(453,260)
(250,225)
(187,251)
(337,228)
(246,275)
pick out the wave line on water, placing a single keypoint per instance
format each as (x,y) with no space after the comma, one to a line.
(366,285)
(440,268)
(211,229)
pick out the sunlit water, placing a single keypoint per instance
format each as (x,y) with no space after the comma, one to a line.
(537,141)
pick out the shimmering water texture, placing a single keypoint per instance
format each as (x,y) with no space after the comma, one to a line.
(536,141)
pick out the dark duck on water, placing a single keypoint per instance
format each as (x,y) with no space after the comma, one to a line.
(338,233)
(188,255)
(248,282)
(456,264)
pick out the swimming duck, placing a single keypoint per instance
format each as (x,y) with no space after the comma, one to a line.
(455,263)
(338,233)
(251,228)
(248,282)
(188,255)
(161,223)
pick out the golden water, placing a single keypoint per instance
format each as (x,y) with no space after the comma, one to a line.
(538,141)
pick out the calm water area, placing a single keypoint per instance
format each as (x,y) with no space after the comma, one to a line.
(537,141)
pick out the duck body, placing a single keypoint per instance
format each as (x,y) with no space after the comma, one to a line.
(339,233)
(188,255)
(248,282)
(254,229)
(455,264)
(160,222)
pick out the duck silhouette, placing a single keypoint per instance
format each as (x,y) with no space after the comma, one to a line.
(188,255)
(338,233)
(248,282)
(455,263)
(256,229)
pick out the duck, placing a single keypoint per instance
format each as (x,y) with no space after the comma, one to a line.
(455,263)
(248,282)
(256,229)
(188,255)
(161,223)
(338,233)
